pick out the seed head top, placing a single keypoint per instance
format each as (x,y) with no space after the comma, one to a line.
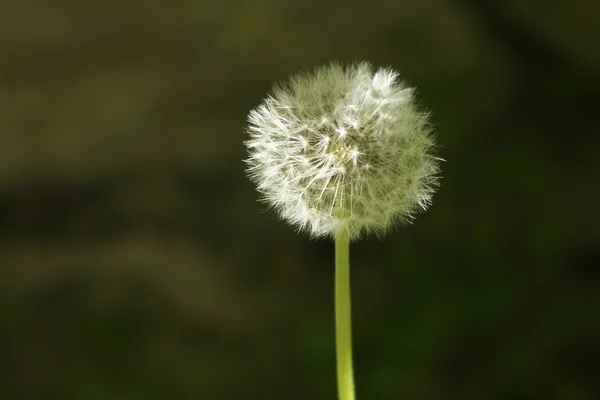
(342,150)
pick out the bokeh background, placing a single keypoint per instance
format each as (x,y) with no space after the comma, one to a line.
(136,263)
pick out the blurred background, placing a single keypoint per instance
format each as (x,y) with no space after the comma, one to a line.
(136,263)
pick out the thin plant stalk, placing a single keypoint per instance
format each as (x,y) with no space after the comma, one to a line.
(343,318)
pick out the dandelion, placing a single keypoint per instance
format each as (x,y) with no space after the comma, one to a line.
(342,152)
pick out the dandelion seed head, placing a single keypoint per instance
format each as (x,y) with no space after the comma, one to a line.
(342,149)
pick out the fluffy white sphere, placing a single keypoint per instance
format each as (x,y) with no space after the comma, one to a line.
(342,150)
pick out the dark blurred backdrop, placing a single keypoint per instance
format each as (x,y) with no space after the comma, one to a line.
(135,262)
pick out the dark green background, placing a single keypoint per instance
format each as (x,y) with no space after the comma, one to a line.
(135,262)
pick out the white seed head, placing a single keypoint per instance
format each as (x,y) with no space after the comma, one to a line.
(342,150)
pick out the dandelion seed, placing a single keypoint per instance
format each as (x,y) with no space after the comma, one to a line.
(342,151)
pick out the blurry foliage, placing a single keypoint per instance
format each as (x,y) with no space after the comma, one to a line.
(136,264)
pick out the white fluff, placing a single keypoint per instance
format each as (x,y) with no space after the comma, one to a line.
(342,149)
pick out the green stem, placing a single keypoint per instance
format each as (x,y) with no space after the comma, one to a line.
(343,319)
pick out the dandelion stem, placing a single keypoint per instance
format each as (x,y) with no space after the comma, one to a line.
(343,320)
